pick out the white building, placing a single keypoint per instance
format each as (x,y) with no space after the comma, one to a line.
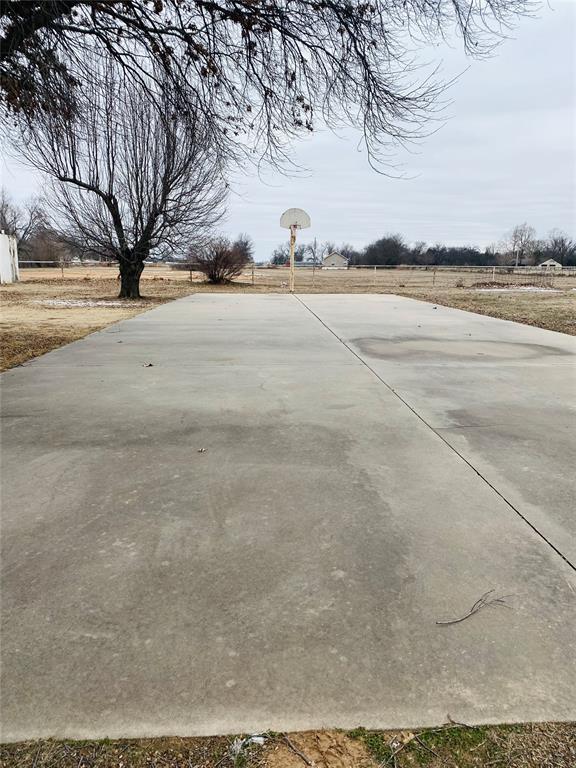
(8,259)
(334,261)
(550,264)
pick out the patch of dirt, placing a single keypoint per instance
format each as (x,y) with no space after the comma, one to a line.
(326,749)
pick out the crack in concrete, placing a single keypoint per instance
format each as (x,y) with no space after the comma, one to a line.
(437,433)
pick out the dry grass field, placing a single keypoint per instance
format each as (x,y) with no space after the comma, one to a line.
(48,308)
(42,313)
(530,746)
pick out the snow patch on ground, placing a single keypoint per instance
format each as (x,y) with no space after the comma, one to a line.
(520,289)
(81,303)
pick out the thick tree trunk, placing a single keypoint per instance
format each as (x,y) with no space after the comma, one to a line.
(130,271)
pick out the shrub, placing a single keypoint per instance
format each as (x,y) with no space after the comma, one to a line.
(221,261)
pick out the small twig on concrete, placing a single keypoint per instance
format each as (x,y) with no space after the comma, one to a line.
(296,751)
(482,602)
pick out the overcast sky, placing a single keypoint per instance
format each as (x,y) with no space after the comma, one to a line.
(506,155)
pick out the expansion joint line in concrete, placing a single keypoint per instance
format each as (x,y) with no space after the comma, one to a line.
(441,437)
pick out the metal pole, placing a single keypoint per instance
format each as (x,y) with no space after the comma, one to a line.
(292,245)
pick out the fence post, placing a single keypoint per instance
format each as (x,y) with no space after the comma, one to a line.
(253,273)
(190,272)
(62,267)
(494,274)
(433,277)
(374,279)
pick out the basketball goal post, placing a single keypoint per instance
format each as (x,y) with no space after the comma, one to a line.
(294,219)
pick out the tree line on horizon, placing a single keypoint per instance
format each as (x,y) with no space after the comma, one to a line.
(520,247)
(40,244)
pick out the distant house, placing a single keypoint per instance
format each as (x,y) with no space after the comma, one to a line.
(550,264)
(334,261)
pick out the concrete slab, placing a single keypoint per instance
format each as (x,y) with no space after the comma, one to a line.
(289,576)
(501,393)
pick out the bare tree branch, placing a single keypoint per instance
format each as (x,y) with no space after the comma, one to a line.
(21,221)
(483,602)
(261,71)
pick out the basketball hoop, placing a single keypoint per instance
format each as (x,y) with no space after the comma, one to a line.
(294,219)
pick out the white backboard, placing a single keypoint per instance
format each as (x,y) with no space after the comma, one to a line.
(295,217)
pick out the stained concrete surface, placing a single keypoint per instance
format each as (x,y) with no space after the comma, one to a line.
(502,394)
(291,574)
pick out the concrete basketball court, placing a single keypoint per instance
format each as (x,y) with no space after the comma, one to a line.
(262,528)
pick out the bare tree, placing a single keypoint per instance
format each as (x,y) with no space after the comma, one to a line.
(261,71)
(561,247)
(491,253)
(281,254)
(327,247)
(10,215)
(521,242)
(352,255)
(419,249)
(244,245)
(313,251)
(220,260)
(22,221)
(46,248)
(130,176)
